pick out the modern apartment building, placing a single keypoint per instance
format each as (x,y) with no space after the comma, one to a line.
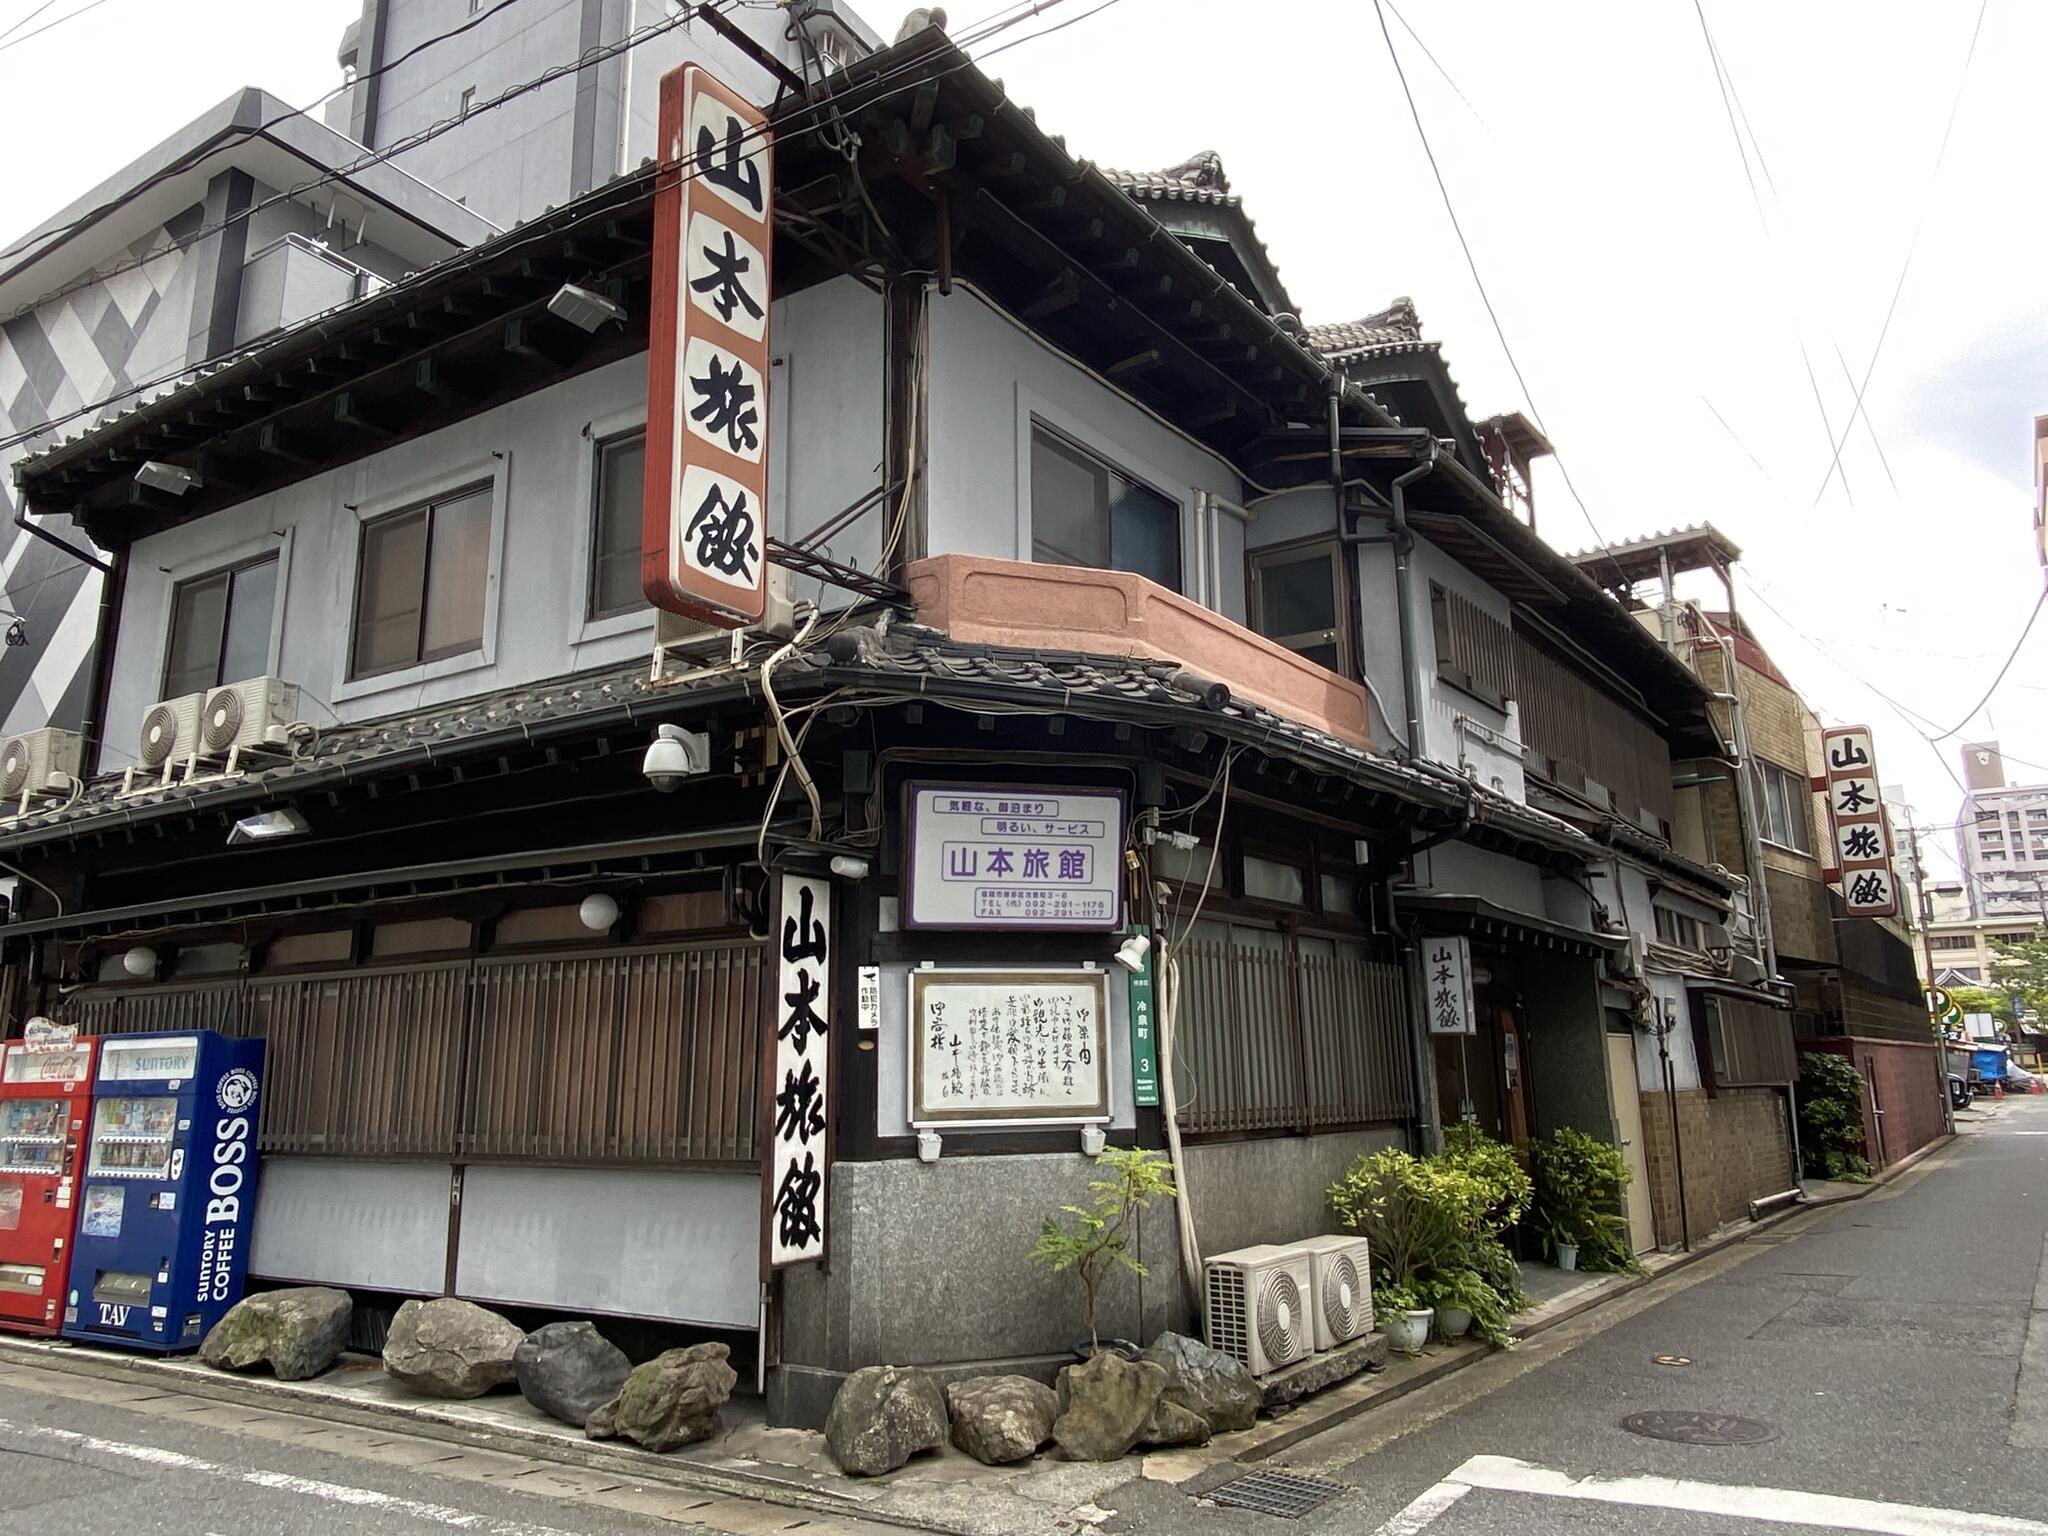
(2001,838)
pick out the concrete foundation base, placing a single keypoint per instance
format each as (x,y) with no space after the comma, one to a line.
(800,1396)
(1294,1382)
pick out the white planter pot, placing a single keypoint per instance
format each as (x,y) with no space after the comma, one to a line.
(1567,1255)
(1407,1332)
(1453,1322)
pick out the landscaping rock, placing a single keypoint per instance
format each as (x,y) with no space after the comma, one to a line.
(569,1370)
(882,1416)
(1174,1424)
(297,1332)
(450,1348)
(1105,1406)
(672,1400)
(1001,1419)
(1215,1385)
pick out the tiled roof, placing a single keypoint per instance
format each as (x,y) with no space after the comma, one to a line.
(1199,180)
(1396,328)
(866,665)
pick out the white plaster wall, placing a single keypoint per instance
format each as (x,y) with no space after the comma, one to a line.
(825,439)
(988,380)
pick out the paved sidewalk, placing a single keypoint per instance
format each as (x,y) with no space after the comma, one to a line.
(949,1492)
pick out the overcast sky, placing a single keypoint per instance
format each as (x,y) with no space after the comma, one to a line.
(1589,155)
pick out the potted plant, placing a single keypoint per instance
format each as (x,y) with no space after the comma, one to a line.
(1097,1240)
(1581,1182)
(1402,1316)
(1465,1302)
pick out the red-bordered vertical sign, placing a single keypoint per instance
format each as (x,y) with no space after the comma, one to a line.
(1863,849)
(704,529)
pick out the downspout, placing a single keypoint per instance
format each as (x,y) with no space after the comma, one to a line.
(113,590)
(1664,1027)
(1745,790)
(1403,542)
(36,530)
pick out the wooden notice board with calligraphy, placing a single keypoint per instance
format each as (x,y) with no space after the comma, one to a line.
(796,1108)
(1008,1047)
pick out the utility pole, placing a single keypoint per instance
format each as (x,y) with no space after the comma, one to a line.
(1925,903)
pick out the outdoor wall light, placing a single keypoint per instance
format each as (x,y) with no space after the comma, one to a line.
(1131,953)
(1093,1140)
(584,309)
(139,961)
(173,479)
(848,867)
(928,1145)
(268,827)
(675,755)
(598,912)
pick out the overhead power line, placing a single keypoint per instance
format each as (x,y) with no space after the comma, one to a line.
(48,26)
(2013,656)
(1011,17)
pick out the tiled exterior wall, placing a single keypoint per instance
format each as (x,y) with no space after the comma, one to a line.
(1909,1091)
(1737,1145)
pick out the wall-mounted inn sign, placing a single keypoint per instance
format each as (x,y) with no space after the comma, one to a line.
(1002,856)
(705,514)
(1856,824)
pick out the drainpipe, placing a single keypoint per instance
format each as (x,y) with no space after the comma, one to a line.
(1403,542)
(1665,1024)
(36,530)
(1745,792)
(113,591)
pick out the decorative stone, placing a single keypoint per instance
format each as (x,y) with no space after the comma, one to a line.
(1001,1419)
(569,1370)
(1293,1382)
(1217,1386)
(297,1332)
(1174,1424)
(882,1416)
(672,1400)
(451,1348)
(1105,1406)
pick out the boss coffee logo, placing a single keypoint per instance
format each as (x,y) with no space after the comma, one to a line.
(225,1179)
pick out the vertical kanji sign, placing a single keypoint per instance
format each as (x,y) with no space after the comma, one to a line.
(797,1112)
(704,525)
(1447,986)
(1863,851)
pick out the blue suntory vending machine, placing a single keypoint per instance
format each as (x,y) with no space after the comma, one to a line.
(168,1192)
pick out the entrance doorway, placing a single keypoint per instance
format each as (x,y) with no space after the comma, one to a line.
(1628,1127)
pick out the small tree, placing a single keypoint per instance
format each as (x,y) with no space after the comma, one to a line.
(1983,1000)
(2021,970)
(1098,1238)
(1831,1117)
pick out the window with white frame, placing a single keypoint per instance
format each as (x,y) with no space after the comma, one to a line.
(220,627)
(1085,511)
(620,466)
(422,580)
(1299,600)
(1787,806)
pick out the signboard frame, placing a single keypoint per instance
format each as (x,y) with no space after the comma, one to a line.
(1113,923)
(1858,821)
(1458,985)
(1097,1112)
(698,488)
(785,1063)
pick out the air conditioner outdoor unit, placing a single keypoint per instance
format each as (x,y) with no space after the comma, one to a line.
(1629,962)
(248,714)
(1341,1299)
(170,731)
(1259,1300)
(30,761)
(1747,969)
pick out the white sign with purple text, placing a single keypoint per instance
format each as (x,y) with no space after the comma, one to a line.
(984,857)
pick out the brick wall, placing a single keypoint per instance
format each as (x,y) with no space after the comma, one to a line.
(1737,1147)
(1909,1091)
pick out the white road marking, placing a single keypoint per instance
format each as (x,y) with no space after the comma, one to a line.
(1424,1508)
(1782,1506)
(446,1515)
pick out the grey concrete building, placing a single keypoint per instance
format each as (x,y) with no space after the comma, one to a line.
(2001,838)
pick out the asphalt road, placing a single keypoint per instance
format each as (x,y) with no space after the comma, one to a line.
(1881,1343)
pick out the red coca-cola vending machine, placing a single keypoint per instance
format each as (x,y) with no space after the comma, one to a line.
(45,1101)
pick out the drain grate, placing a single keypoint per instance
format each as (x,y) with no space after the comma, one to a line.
(1688,1428)
(1288,1495)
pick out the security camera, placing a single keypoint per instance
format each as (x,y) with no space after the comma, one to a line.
(675,755)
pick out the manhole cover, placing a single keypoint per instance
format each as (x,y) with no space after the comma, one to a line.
(1286,1494)
(1689,1428)
(1671,1359)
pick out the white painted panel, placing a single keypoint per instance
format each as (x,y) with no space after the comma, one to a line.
(681,1244)
(382,1226)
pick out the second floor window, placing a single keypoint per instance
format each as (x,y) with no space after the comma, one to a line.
(1787,807)
(1952,941)
(220,628)
(1085,512)
(420,583)
(1298,599)
(1475,652)
(1676,928)
(615,534)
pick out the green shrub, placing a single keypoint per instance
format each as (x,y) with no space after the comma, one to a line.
(1497,1168)
(1490,1260)
(1580,1184)
(1099,1238)
(1418,1214)
(1389,1299)
(1466,1289)
(1831,1117)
